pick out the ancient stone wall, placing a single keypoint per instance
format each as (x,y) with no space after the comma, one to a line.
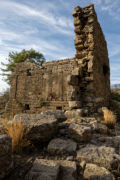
(81,82)
(36,87)
(92,54)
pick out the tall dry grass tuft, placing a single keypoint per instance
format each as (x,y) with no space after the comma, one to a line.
(109,118)
(14,129)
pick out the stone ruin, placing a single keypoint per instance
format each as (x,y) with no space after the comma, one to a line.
(64,144)
(82,82)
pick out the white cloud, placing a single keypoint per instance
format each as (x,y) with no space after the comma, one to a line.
(112,8)
(45,17)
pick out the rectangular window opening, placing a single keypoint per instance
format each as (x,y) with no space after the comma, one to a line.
(27,107)
(29,72)
(59,108)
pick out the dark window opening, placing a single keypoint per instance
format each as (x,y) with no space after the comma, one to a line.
(105,69)
(27,107)
(29,72)
(59,108)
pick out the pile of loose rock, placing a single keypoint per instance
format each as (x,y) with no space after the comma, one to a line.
(74,149)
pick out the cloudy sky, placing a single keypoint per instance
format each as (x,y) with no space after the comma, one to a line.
(47,26)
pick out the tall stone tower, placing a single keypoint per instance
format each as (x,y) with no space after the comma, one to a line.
(92,58)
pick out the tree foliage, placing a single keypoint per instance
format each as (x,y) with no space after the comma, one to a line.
(18,57)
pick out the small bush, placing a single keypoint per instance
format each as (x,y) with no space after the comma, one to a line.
(41,102)
(109,118)
(14,129)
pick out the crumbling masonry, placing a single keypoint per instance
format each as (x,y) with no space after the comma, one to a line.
(81,82)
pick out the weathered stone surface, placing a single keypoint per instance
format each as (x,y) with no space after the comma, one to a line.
(72,80)
(100,128)
(74,113)
(68,170)
(77,71)
(113,141)
(73,94)
(94,172)
(74,104)
(43,170)
(6,162)
(62,146)
(38,127)
(100,155)
(79,132)
(52,170)
(59,115)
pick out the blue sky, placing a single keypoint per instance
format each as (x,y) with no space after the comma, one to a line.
(47,26)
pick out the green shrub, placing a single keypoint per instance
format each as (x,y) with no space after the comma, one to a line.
(41,102)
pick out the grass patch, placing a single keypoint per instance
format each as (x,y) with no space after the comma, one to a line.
(109,118)
(15,129)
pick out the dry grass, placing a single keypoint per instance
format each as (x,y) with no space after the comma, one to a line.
(109,117)
(14,129)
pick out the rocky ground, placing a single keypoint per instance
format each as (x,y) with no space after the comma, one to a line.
(63,149)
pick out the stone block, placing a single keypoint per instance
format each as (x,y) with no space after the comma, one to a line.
(90,66)
(101,155)
(62,146)
(44,170)
(72,80)
(73,93)
(75,104)
(77,71)
(75,113)
(100,128)
(68,170)
(80,132)
(59,115)
(92,172)
(38,127)
(6,161)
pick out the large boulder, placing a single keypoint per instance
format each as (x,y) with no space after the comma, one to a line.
(6,162)
(80,132)
(93,172)
(100,155)
(99,127)
(113,141)
(43,170)
(62,146)
(38,127)
(68,170)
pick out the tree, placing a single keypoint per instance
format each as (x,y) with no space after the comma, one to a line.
(25,55)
